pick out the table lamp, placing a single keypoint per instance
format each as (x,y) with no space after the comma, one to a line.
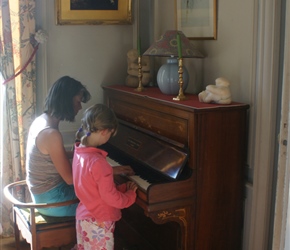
(168,75)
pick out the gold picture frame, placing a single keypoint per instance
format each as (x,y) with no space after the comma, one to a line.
(66,16)
(197,19)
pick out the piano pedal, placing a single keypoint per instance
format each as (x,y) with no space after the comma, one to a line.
(131,248)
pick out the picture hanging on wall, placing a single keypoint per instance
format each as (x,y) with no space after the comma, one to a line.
(90,12)
(197,18)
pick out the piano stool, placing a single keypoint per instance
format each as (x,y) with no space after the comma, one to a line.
(38,230)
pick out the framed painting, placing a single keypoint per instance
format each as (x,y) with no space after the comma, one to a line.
(89,12)
(197,19)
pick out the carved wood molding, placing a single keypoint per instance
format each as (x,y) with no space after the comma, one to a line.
(179,215)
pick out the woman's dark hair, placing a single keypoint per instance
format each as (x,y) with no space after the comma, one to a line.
(59,101)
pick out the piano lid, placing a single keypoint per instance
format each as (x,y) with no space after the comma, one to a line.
(157,154)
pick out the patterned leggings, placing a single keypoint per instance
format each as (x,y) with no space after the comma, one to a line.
(93,235)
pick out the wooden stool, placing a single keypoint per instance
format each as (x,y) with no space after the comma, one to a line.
(38,230)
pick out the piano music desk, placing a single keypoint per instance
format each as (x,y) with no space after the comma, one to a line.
(206,206)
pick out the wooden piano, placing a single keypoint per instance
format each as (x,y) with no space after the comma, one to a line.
(195,154)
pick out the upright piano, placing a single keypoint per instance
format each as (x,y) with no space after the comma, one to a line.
(189,161)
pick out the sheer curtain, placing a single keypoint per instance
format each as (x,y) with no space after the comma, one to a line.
(17,66)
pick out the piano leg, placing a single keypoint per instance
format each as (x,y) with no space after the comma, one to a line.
(184,217)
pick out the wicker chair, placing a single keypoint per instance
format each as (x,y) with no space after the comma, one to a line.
(38,230)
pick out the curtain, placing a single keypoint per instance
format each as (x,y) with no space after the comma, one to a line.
(17,66)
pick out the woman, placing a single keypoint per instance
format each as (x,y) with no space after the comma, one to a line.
(48,169)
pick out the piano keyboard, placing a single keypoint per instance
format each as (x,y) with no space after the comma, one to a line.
(137,179)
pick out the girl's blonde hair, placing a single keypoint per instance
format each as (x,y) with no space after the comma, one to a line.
(97,117)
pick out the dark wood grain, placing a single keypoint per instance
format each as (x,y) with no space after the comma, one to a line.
(207,206)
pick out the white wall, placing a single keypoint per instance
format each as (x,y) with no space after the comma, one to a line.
(229,56)
(96,54)
(195,66)
(92,54)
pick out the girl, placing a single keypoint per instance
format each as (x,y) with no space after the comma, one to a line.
(100,199)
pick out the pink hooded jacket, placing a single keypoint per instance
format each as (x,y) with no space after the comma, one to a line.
(94,185)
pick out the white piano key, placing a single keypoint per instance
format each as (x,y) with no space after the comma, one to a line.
(140,182)
(137,179)
(112,162)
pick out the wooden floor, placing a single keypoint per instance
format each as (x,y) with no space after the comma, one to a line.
(9,244)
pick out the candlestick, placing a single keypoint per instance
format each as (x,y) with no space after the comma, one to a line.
(139,46)
(179,46)
(140,87)
(181,96)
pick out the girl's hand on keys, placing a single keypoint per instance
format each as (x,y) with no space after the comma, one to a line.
(123,170)
(131,186)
